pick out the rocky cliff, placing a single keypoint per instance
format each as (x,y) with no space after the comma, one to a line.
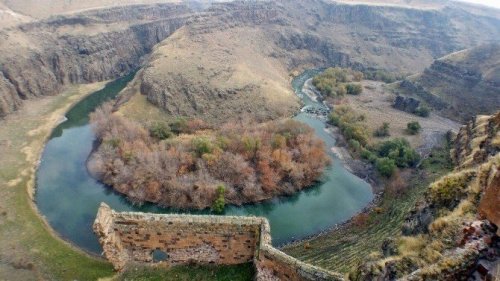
(40,58)
(453,232)
(461,85)
(236,58)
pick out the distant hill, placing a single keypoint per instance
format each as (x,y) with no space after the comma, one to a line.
(466,82)
(231,59)
(235,58)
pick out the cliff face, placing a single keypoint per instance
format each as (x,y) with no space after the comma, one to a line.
(267,40)
(461,85)
(248,50)
(39,58)
(453,233)
(477,141)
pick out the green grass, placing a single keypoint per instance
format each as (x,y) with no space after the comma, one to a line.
(28,249)
(243,272)
(344,249)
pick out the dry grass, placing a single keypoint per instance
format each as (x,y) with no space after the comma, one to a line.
(193,68)
(376,104)
(46,8)
(138,108)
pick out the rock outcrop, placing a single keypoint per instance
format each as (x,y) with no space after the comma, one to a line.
(477,141)
(453,233)
(406,104)
(460,85)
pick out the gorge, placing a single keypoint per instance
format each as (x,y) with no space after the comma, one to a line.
(361,184)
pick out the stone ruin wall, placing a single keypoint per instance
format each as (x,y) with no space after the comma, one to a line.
(131,238)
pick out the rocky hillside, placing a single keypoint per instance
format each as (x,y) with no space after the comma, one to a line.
(453,232)
(39,58)
(460,85)
(235,58)
(238,54)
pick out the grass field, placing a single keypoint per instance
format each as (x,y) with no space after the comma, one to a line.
(344,249)
(244,272)
(375,103)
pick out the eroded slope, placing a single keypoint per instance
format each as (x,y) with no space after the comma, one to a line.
(236,58)
(461,85)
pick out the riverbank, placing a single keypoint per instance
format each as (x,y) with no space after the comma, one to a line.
(356,166)
(29,248)
(344,246)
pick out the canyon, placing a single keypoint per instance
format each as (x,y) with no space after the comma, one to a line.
(233,62)
(460,85)
(40,57)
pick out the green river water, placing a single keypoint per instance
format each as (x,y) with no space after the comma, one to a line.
(69,197)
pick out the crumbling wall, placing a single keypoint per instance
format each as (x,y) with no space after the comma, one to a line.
(186,239)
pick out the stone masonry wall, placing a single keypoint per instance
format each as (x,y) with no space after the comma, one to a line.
(184,239)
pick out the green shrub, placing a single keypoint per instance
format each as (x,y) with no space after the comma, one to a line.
(449,190)
(113,142)
(354,145)
(179,126)
(383,131)
(368,155)
(354,89)
(356,132)
(413,128)
(382,75)
(202,145)
(423,111)
(385,166)
(331,82)
(220,202)
(160,130)
(349,124)
(400,151)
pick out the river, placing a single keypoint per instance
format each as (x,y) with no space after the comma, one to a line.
(69,197)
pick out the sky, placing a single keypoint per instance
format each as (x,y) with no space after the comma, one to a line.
(491,3)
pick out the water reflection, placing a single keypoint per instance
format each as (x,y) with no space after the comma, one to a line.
(69,197)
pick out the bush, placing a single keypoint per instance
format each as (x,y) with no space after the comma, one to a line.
(354,145)
(449,190)
(423,111)
(368,155)
(400,151)
(354,89)
(160,130)
(349,124)
(385,166)
(202,145)
(331,82)
(220,202)
(381,75)
(179,126)
(383,131)
(413,128)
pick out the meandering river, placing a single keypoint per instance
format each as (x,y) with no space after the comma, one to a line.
(69,197)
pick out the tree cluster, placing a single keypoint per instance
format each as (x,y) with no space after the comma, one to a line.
(202,168)
(336,82)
